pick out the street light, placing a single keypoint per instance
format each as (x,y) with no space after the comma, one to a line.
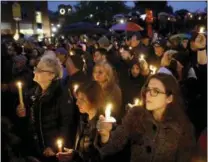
(58,25)
(98,23)
(91,15)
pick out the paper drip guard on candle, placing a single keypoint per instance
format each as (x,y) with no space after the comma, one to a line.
(108,117)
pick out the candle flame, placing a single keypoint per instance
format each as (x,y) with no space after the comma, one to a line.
(19,84)
(130,48)
(108,111)
(153,69)
(141,57)
(201,30)
(136,102)
(71,53)
(76,86)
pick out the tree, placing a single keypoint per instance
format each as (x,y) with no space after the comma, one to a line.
(155,6)
(169,9)
(182,13)
(101,11)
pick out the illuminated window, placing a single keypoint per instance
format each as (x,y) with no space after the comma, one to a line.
(38,17)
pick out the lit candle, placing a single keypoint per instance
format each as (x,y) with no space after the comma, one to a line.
(201,30)
(59,144)
(136,102)
(153,69)
(19,86)
(71,53)
(108,111)
(76,86)
(85,40)
(130,48)
(23,50)
(141,58)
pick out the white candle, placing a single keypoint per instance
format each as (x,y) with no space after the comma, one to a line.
(19,86)
(59,144)
(108,111)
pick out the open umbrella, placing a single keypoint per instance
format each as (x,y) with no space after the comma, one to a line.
(180,36)
(129,26)
(83,28)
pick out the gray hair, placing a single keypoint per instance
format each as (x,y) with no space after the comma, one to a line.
(50,60)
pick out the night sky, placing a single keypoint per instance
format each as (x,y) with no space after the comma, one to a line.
(191,6)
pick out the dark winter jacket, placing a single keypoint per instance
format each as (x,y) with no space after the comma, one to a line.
(49,116)
(171,140)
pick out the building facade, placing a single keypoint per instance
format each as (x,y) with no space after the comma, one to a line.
(34,18)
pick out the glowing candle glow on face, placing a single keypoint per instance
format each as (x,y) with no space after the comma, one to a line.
(19,86)
(108,111)
(59,144)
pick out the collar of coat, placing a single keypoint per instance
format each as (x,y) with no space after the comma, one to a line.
(54,87)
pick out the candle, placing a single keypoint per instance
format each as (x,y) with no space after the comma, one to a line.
(23,50)
(59,144)
(136,102)
(108,111)
(19,86)
(71,53)
(141,58)
(201,30)
(153,69)
(85,40)
(76,86)
(130,48)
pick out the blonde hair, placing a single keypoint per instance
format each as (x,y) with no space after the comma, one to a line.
(110,73)
(50,60)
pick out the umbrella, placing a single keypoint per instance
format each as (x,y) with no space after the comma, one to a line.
(129,26)
(83,28)
(180,36)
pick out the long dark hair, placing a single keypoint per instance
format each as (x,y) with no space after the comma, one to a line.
(176,107)
(93,92)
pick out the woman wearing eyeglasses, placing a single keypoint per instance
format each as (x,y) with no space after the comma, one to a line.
(157,131)
(47,113)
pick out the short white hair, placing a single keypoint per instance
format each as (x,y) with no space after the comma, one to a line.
(49,59)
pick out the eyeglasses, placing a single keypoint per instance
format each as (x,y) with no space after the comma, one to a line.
(36,69)
(153,91)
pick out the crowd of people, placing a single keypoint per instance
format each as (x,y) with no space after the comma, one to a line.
(157,88)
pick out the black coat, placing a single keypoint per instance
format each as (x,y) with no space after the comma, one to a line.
(49,116)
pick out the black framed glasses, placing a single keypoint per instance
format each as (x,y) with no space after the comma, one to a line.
(36,69)
(153,91)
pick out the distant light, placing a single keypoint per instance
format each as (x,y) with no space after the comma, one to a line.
(121,21)
(168,18)
(58,25)
(52,35)
(199,17)
(191,16)
(130,18)
(54,29)
(96,7)
(62,37)
(91,15)
(62,11)
(98,23)
(52,24)
(16,36)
